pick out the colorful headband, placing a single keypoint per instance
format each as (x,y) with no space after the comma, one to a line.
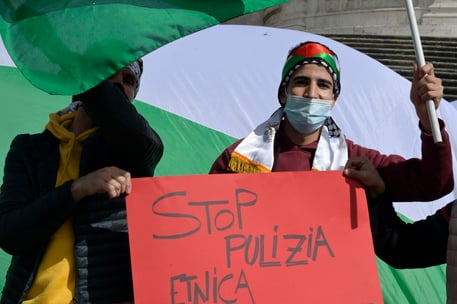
(312,52)
(137,69)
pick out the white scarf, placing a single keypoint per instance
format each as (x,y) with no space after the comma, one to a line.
(255,153)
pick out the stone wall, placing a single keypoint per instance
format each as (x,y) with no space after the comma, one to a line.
(388,17)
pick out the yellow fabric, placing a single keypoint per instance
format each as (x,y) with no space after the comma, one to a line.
(242,164)
(55,279)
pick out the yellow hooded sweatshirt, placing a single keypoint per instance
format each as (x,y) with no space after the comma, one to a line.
(55,279)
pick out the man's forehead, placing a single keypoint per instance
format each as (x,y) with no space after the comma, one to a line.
(125,70)
(311,70)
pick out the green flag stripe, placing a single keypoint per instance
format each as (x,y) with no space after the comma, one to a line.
(220,9)
(66,47)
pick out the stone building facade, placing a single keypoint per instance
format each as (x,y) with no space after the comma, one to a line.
(436,18)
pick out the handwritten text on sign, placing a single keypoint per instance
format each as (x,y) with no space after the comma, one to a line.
(251,238)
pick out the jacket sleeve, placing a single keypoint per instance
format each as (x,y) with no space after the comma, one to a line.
(136,146)
(220,165)
(28,218)
(416,179)
(408,245)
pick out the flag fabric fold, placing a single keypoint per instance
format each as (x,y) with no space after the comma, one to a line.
(66,47)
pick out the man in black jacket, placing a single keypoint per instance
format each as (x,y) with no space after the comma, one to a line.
(401,244)
(62,201)
(398,243)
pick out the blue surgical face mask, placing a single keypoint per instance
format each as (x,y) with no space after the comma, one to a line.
(307,115)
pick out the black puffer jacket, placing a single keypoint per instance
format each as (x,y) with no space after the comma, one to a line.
(32,208)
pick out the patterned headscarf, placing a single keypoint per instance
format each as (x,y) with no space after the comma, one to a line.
(311,52)
(137,69)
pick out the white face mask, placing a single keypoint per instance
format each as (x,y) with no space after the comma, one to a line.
(307,115)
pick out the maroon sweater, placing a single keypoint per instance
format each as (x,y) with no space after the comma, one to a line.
(413,179)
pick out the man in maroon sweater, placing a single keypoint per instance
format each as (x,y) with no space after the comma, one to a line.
(302,136)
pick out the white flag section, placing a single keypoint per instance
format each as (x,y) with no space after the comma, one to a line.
(225,78)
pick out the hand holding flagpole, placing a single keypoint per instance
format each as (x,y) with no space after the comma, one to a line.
(421,62)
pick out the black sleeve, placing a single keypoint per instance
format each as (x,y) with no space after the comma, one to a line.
(29,218)
(408,245)
(136,146)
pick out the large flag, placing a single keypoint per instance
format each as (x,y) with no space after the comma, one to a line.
(203,91)
(65,47)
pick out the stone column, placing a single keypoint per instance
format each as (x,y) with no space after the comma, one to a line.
(339,16)
(441,19)
(443,6)
(290,15)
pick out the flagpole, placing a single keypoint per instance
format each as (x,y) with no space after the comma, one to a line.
(421,62)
